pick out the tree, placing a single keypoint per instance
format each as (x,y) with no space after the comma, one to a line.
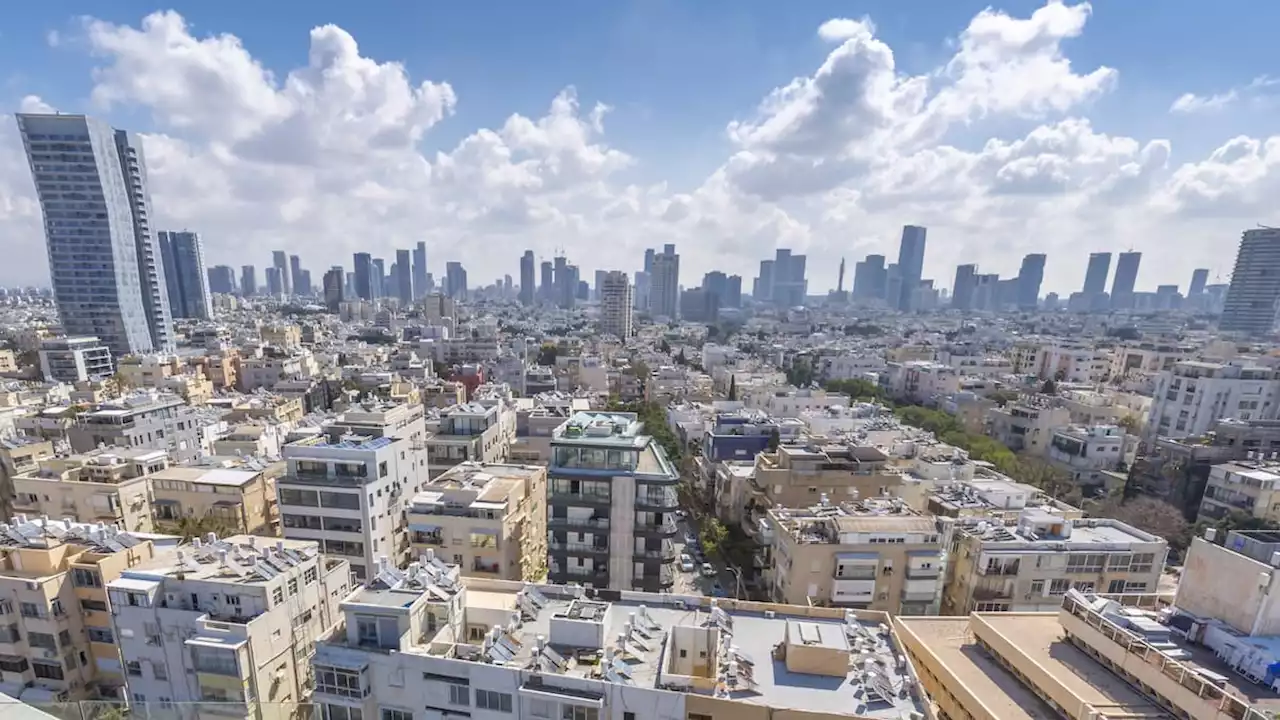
(774,439)
(1049,388)
(193,527)
(1148,514)
(665,346)
(713,536)
(1130,423)
(733,387)
(1052,481)
(547,354)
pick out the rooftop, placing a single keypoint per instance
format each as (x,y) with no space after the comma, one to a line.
(473,482)
(240,559)
(1044,528)
(349,441)
(226,477)
(827,522)
(24,532)
(602,428)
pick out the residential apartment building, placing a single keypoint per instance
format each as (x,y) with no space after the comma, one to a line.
(493,649)
(790,402)
(57,642)
(160,421)
(874,554)
(347,491)
(1073,363)
(1250,487)
(229,622)
(1205,655)
(611,499)
(75,359)
(1087,453)
(490,518)
(615,305)
(995,499)
(1027,424)
(241,500)
(19,455)
(110,486)
(1194,395)
(798,475)
(470,432)
(1029,564)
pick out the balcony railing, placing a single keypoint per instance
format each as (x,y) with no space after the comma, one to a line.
(1007,569)
(578,547)
(580,498)
(666,526)
(588,523)
(666,553)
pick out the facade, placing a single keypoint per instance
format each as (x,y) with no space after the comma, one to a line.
(1125,279)
(334,285)
(184,274)
(1086,453)
(1253,297)
(615,304)
(109,486)
(280,261)
(471,432)
(222,280)
(910,266)
(403,279)
(1095,276)
(611,498)
(59,642)
(794,475)
(1027,565)
(664,284)
(248,281)
(495,649)
(491,518)
(363,263)
(161,421)
(239,500)
(1194,395)
(420,270)
(1030,275)
(75,359)
(1250,487)
(113,286)
(528,286)
(874,554)
(229,622)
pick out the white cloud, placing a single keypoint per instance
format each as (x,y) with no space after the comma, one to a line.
(992,149)
(1191,103)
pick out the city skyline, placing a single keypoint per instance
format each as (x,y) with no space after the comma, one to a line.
(1115,186)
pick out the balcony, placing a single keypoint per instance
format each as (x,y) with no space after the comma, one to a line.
(665,554)
(594,576)
(665,527)
(661,501)
(578,548)
(594,523)
(572,498)
(992,569)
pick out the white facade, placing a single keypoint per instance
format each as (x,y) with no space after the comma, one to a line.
(1192,396)
(75,359)
(615,305)
(1073,364)
(1086,451)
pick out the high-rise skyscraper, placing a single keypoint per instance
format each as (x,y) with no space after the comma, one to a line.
(762,291)
(840,279)
(419,270)
(547,283)
(188,288)
(1125,279)
(363,265)
(455,281)
(566,283)
(275,281)
(222,279)
(293,283)
(108,277)
(716,283)
(1253,298)
(600,283)
(664,293)
(404,277)
(648,260)
(869,278)
(302,283)
(280,261)
(962,289)
(789,284)
(910,266)
(1095,277)
(615,304)
(333,288)
(527,280)
(733,292)
(248,281)
(1030,276)
(379,278)
(1199,278)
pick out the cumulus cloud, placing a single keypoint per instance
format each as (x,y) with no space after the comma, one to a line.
(992,149)
(1191,103)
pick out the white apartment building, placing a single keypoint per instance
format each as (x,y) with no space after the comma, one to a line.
(226,621)
(471,433)
(347,493)
(615,305)
(1073,363)
(427,646)
(788,402)
(1027,425)
(75,359)
(922,381)
(853,366)
(1194,395)
(1085,452)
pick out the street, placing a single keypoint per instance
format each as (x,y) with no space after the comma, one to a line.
(693,583)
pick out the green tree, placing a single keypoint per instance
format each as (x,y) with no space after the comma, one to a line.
(665,346)
(193,527)
(857,388)
(1049,388)
(774,439)
(713,536)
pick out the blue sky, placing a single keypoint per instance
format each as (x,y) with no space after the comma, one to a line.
(676,73)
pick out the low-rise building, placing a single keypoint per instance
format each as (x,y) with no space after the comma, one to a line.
(1028,565)
(109,486)
(58,643)
(1027,424)
(228,622)
(797,475)
(874,554)
(75,359)
(236,499)
(495,648)
(1194,395)
(150,419)
(1087,453)
(1250,487)
(491,518)
(469,432)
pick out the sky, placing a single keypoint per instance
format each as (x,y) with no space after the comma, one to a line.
(728,127)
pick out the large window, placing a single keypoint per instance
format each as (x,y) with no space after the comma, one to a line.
(301,522)
(101,635)
(46,670)
(342,501)
(340,682)
(341,712)
(578,712)
(337,524)
(381,632)
(459,694)
(86,578)
(306,498)
(218,661)
(492,700)
(344,547)
(394,714)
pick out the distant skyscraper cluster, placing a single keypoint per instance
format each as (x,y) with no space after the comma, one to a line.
(899,285)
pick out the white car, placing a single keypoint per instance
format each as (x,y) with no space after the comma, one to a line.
(686,563)
(708,570)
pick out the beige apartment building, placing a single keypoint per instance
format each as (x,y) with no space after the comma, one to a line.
(18,455)
(874,554)
(227,623)
(108,486)
(489,519)
(470,432)
(797,476)
(1027,565)
(238,499)
(1250,487)
(56,638)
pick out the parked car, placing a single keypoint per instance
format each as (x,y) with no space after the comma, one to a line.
(708,570)
(686,563)
(690,539)
(717,590)
(680,514)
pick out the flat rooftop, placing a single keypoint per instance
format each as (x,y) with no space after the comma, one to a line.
(226,477)
(233,559)
(472,482)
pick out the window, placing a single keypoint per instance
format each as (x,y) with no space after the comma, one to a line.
(340,682)
(277,595)
(1059,587)
(1135,587)
(393,714)
(538,708)
(306,498)
(459,695)
(336,524)
(86,578)
(1119,562)
(491,700)
(215,660)
(159,671)
(27,609)
(42,640)
(46,670)
(340,712)
(93,606)
(1085,563)
(133,668)
(293,586)
(1116,586)
(309,575)
(301,522)
(577,712)
(1037,587)
(13,664)
(1142,562)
